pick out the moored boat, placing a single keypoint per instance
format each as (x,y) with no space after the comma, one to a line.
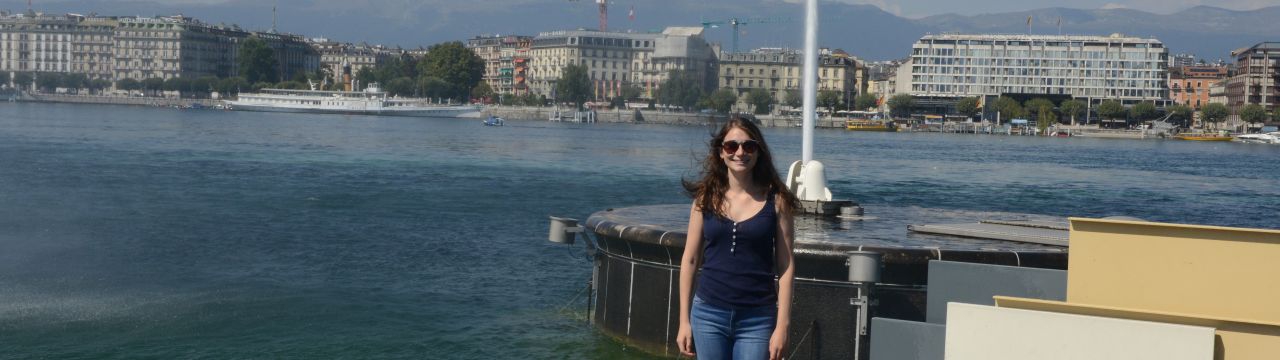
(869,125)
(371,101)
(1268,138)
(1203,137)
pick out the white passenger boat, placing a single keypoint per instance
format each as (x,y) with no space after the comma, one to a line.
(371,101)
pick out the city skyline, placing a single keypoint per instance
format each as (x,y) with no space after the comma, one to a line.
(909,9)
(864,30)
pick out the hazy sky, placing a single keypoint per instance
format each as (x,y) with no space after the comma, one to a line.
(908,8)
(921,8)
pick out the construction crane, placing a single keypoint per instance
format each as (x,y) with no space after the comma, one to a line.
(736,21)
(604,13)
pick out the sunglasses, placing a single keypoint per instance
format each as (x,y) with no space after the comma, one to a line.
(748,146)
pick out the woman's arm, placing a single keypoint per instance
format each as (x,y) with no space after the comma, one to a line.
(786,276)
(688,268)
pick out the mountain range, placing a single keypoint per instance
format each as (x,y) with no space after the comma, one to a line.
(863,30)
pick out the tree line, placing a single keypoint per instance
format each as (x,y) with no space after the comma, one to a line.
(1046,113)
(449,70)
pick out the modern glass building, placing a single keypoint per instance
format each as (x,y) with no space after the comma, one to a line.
(1093,68)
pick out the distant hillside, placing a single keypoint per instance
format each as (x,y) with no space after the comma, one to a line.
(863,30)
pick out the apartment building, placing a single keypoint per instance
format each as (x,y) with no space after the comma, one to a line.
(616,59)
(1093,68)
(61,44)
(1189,85)
(779,71)
(1254,79)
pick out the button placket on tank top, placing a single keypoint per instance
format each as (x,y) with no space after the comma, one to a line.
(734,244)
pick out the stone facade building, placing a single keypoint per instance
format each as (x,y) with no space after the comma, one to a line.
(779,71)
(506,61)
(59,44)
(177,46)
(615,60)
(339,59)
(1254,79)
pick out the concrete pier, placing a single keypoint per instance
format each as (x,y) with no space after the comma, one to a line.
(636,274)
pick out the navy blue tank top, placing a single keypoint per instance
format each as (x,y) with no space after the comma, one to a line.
(737,259)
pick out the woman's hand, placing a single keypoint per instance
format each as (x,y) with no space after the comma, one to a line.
(684,340)
(777,343)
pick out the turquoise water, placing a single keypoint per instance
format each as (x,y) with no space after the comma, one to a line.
(132,232)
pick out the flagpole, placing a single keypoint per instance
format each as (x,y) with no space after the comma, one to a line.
(810,82)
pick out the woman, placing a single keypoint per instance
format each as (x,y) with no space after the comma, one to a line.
(741,234)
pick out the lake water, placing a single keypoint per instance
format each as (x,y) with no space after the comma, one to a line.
(130,232)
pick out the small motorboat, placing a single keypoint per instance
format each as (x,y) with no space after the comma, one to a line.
(493,121)
(1268,138)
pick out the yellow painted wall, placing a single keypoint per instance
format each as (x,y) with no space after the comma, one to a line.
(1236,340)
(1202,271)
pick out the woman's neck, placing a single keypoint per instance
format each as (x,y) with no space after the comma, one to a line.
(741,182)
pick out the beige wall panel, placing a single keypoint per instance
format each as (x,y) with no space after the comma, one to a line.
(1236,340)
(977,332)
(1206,271)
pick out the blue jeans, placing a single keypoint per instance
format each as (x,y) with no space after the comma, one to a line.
(740,334)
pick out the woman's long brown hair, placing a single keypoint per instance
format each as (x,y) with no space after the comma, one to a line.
(708,191)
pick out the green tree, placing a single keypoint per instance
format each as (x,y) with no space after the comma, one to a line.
(1180,114)
(794,98)
(1112,110)
(1072,108)
(48,81)
(1214,113)
(865,101)
(452,62)
(401,86)
(1007,108)
(75,81)
(967,107)
(203,84)
(257,61)
(721,101)
(23,79)
(97,85)
(900,105)
(1143,111)
(1037,104)
(1045,118)
(1039,107)
(574,85)
(830,99)
(231,85)
(482,91)
(681,89)
(433,87)
(128,84)
(177,84)
(761,101)
(1253,113)
(631,92)
(153,85)
(365,76)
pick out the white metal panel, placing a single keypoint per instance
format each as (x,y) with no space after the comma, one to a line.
(977,332)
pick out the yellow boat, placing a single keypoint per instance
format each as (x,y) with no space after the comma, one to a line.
(1203,137)
(869,125)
